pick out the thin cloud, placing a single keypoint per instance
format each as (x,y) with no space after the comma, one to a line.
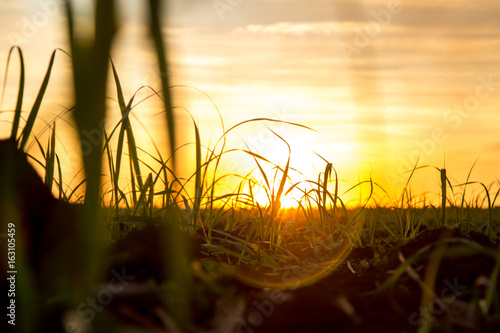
(293,28)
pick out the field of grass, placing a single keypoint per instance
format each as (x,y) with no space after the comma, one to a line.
(227,262)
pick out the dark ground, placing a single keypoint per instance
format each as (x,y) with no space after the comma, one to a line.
(341,303)
(338,303)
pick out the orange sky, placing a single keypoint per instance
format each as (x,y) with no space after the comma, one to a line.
(380,82)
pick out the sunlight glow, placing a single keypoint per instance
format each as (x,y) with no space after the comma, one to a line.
(261,198)
(291,200)
(342,147)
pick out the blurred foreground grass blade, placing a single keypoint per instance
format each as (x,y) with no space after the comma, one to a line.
(400,271)
(492,295)
(177,250)
(90,68)
(156,33)
(90,60)
(431,271)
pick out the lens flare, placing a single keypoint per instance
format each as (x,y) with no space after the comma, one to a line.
(310,270)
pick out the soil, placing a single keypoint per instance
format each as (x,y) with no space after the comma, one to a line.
(342,302)
(339,303)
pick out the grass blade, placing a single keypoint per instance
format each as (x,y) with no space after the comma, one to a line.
(20,92)
(36,106)
(50,159)
(443,197)
(155,28)
(144,191)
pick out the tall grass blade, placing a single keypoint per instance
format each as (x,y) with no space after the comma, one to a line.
(443,197)
(329,167)
(144,190)
(429,282)
(271,120)
(461,215)
(62,195)
(126,127)
(50,159)
(198,178)
(36,106)
(276,204)
(20,92)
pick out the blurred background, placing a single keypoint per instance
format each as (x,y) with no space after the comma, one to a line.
(383,83)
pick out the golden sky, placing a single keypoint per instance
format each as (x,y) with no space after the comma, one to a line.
(382,82)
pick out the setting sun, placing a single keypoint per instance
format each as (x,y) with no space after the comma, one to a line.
(291,200)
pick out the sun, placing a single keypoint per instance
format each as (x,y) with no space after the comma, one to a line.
(261,198)
(289,203)
(291,200)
